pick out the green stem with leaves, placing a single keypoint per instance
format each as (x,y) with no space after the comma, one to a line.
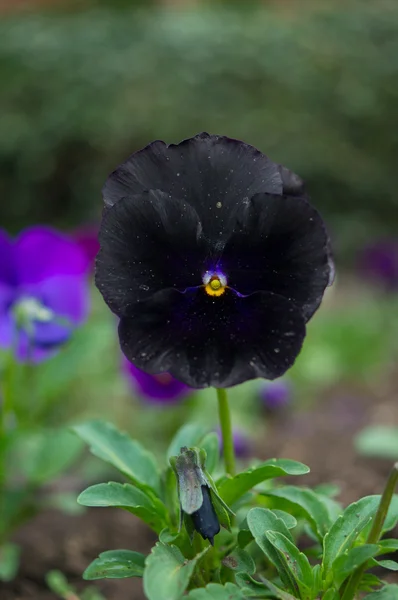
(226,431)
(375,532)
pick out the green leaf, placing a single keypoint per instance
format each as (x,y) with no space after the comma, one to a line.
(233,488)
(125,495)
(348,562)
(387,546)
(116,564)
(288,519)
(245,536)
(294,560)
(42,455)
(118,449)
(188,436)
(241,561)
(167,573)
(260,522)
(380,441)
(391,565)
(9,561)
(211,445)
(215,591)
(390,521)
(280,594)
(331,595)
(370,582)
(389,592)
(304,503)
(346,529)
(250,587)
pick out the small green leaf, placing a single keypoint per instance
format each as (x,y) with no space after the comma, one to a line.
(347,563)
(215,591)
(211,445)
(125,495)
(370,582)
(116,564)
(387,546)
(304,503)
(42,455)
(391,565)
(245,536)
(233,488)
(167,573)
(346,529)
(380,441)
(331,595)
(241,561)
(390,521)
(389,592)
(118,449)
(288,519)
(294,560)
(280,594)
(188,436)
(9,561)
(250,587)
(260,522)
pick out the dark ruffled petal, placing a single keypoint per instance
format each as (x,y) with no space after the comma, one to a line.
(212,173)
(148,243)
(204,341)
(280,245)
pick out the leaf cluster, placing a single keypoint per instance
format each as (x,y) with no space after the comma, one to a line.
(280,541)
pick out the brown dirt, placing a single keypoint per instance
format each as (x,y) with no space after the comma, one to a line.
(320,436)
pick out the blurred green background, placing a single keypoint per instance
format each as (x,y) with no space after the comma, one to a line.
(313,85)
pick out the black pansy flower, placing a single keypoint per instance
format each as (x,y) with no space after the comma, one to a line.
(213,259)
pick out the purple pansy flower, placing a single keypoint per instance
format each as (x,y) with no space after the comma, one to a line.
(43,291)
(156,389)
(379,262)
(275,395)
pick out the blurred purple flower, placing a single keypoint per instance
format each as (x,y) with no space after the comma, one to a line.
(155,389)
(242,443)
(87,238)
(275,395)
(43,291)
(379,262)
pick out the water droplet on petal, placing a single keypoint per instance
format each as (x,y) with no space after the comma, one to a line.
(144,288)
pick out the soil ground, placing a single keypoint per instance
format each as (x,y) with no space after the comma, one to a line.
(321,437)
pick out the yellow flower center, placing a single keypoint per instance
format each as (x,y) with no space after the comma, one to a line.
(215,287)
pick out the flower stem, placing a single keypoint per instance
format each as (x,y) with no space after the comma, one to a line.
(375,532)
(226,431)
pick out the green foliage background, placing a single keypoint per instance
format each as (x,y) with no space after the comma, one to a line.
(315,89)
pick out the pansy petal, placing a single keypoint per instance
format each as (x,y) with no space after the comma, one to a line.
(205,341)
(212,173)
(7,260)
(158,389)
(280,245)
(42,252)
(67,296)
(7,330)
(148,242)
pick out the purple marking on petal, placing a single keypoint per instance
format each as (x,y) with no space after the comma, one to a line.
(276,395)
(156,389)
(7,260)
(42,252)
